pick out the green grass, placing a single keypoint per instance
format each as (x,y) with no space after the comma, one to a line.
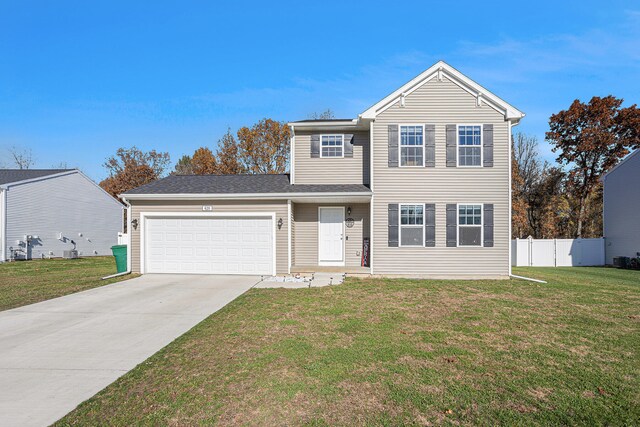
(27,282)
(399,352)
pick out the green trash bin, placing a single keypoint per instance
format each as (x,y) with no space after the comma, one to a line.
(120,253)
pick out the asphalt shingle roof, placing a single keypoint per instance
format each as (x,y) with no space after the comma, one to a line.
(239,184)
(8,176)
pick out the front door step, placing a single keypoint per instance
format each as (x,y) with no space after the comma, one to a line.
(315,280)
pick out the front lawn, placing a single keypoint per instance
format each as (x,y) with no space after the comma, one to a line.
(391,352)
(27,282)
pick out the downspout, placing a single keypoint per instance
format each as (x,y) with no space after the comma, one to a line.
(128,210)
(527,278)
(292,156)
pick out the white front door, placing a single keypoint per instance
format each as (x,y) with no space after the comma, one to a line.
(330,236)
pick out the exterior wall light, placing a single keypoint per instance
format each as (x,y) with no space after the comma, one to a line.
(349,211)
(134,224)
(280,222)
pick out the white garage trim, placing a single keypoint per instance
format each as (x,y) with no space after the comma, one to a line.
(145,215)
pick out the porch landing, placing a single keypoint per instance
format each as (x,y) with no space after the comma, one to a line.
(330,269)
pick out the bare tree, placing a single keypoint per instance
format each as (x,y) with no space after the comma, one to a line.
(61,165)
(539,187)
(325,115)
(22,157)
(525,151)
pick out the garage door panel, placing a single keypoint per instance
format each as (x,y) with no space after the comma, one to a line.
(217,245)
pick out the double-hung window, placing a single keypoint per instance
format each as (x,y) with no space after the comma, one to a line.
(469,225)
(411,145)
(411,225)
(469,145)
(331,146)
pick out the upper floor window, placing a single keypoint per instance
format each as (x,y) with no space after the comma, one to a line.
(469,225)
(412,145)
(411,225)
(331,146)
(469,145)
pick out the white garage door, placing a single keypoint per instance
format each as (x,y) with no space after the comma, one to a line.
(218,245)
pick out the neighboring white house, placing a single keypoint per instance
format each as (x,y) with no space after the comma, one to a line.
(621,209)
(44,212)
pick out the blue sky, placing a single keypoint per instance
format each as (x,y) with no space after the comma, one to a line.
(80,79)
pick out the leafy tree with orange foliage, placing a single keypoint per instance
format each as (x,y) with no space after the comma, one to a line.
(203,162)
(264,147)
(591,139)
(227,156)
(131,168)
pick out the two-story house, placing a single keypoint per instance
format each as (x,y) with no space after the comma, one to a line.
(417,185)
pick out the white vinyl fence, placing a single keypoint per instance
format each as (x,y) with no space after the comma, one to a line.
(557,252)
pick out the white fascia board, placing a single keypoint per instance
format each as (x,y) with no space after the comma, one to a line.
(332,123)
(239,196)
(510,112)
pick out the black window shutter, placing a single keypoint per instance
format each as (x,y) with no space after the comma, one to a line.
(488,225)
(430,224)
(315,145)
(393,225)
(452,225)
(393,146)
(451,146)
(348,145)
(487,146)
(430,146)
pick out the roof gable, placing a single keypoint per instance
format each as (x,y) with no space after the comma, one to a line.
(438,71)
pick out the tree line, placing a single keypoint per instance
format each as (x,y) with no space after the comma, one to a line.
(564,200)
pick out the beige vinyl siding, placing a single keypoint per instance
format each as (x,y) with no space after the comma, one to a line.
(441,103)
(279,207)
(305,238)
(327,170)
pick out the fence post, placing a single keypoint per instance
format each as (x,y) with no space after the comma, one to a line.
(530,241)
(555,252)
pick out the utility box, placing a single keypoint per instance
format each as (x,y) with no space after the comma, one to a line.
(72,254)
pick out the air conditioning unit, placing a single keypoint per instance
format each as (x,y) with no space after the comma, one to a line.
(72,254)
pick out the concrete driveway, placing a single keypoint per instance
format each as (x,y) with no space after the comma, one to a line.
(58,353)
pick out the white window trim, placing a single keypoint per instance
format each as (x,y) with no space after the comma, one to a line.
(341,135)
(458,225)
(400,125)
(458,165)
(400,225)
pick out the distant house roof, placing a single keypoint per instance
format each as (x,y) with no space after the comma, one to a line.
(239,184)
(8,176)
